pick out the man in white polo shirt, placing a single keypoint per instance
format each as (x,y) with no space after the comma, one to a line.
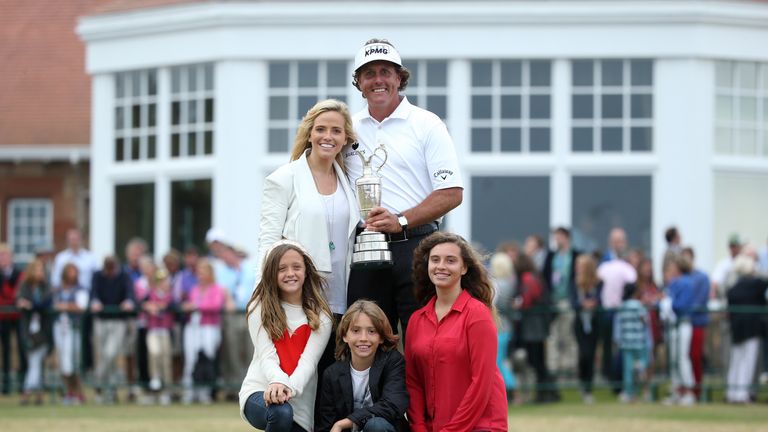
(420,180)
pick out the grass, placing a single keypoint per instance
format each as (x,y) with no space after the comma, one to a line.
(569,416)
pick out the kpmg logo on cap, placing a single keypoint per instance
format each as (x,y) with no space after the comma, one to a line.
(376,49)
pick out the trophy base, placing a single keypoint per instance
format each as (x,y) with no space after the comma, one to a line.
(372,265)
(371,260)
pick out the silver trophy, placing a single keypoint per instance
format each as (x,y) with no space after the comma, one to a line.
(371,249)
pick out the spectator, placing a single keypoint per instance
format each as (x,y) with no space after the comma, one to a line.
(680,289)
(699,319)
(10,277)
(534,248)
(202,334)
(631,333)
(134,250)
(650,296)
(69,300)
(748,294)
(617,246)
(503,278)
(237,275)
(86,264)
(76,254)
(532,302)
(674,246)
(615,274)
(559,280)
(722,276)
(159,307)
(588,287)
(187,279)
(111,299)
(510,248)
(141,289)
(34,301)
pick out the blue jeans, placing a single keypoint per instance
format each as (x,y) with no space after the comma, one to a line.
(272,418)
(378,424)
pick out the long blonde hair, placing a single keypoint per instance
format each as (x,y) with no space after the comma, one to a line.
(586,272)
(301,142)
(267,293)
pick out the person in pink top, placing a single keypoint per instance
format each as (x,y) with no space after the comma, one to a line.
(158,306)
(615,274)
(450,346)
(202,335)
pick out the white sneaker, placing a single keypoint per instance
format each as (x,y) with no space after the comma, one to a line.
(688,400)
(165,399)
(155,384)
(624,398)
(204,396)
(188,396)
(588,399)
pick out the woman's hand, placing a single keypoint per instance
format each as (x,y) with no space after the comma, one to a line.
(277,393)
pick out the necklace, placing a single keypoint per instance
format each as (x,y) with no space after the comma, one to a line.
(329,216)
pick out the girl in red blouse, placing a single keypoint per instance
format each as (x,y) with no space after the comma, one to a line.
(450,346)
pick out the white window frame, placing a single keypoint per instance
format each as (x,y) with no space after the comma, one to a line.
(419,90)
(144,132)
(626,90)
(44,240)
(181,92)
(496,123)
(294,91)
(730,132)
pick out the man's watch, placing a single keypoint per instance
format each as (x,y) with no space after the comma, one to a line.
(402,221)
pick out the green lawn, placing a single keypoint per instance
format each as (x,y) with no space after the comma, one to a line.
(568,416)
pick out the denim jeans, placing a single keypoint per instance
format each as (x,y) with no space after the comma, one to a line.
(378,424)
(272,418)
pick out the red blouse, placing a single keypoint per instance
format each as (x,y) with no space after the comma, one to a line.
(451,373)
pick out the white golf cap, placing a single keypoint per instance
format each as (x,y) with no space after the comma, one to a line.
(377,51)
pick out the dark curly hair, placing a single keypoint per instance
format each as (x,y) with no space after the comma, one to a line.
(475,281)
(404,73)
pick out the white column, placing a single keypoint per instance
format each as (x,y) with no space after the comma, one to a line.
(560,183)
(240,148)
(102,210)
(683,110)
(162,183)
(459,220)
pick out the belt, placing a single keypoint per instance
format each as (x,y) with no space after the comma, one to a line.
(417,231)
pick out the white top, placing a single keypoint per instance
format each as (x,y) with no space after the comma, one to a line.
(421,155)
(361,391)
(83,259)
(292,208)
(265,365)
(337,219)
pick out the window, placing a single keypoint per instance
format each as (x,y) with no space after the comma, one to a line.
(134,214)
(511,106)
(135,115)
(601,203)
(30,225)
(190,213)
(741,108)
(509,208)
(296,86)
(192,110)
(428,85)
(612,105)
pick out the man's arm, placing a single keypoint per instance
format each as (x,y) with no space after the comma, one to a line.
(436,205)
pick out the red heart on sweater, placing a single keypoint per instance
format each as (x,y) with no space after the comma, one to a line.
(290,346)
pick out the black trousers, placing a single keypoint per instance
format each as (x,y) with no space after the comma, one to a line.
(587,343)
(391,289)
(7,328)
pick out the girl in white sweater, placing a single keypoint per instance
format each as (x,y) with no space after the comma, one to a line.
(290,323)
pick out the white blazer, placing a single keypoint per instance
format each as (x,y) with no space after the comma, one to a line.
(292,208)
